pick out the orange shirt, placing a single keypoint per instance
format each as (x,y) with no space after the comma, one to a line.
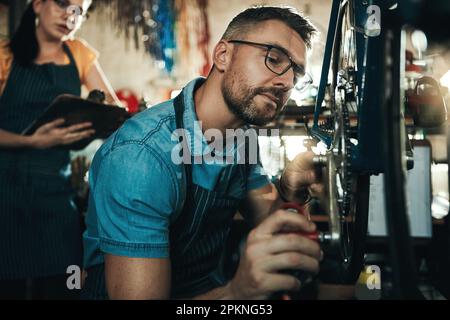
(84,55)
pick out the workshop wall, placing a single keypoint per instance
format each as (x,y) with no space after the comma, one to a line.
(134,69)
(128,68)
(3,21)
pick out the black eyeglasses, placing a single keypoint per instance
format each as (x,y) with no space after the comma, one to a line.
(279,62)
(65,4)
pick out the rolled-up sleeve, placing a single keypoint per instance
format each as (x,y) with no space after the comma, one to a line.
(135,193)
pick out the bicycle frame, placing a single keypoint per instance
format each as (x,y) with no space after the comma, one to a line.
(366,154)
(380,131)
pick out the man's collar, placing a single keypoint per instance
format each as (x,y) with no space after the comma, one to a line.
(190,119)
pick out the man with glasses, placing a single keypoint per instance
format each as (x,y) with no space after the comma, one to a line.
(157,228)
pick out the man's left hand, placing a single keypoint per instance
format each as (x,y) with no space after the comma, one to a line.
(300,179)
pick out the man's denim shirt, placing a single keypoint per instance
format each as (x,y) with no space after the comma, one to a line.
(137,190)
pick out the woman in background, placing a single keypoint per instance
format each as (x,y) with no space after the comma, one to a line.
(40,234)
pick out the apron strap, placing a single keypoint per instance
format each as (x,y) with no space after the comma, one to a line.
(69,54)
(179,112)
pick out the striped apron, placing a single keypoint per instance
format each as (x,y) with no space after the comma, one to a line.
(40,232)
(199,234)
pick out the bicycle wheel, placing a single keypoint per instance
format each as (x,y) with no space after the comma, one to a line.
(348,190)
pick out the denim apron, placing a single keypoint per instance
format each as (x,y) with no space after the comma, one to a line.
(197,236)
(40,232)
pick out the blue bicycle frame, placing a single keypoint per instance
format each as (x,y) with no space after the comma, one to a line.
(366,154)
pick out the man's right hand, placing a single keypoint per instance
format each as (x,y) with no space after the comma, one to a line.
(273,247)
(51,134)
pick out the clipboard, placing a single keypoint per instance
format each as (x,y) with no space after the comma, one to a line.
(105,119)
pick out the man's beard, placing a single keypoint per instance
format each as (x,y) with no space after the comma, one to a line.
(242,103)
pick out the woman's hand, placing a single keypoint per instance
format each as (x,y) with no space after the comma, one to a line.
(51,134)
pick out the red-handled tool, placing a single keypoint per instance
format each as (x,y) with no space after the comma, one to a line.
(315,236)
(296,208)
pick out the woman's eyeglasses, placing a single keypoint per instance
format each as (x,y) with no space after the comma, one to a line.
(65,4)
